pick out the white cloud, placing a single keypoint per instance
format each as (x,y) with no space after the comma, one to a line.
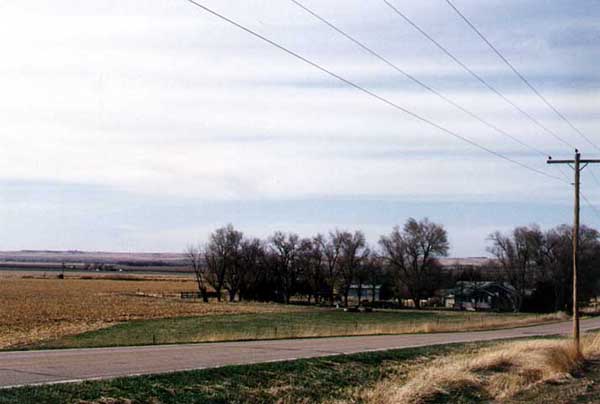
(167,100)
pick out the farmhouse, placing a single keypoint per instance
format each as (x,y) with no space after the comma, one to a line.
(479,296)
(368,292)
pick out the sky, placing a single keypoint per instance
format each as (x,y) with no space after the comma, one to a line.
(143,126)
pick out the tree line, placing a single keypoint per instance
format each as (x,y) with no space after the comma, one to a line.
(539,265)
(320,268)
(326,267)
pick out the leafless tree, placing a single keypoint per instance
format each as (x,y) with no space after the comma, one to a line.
(236,272)
(250,259)
(284,249)
(372,273)
(557,269)
(519,256)
(411,254)
(311,261)
(332,249)
(558,263)
(221,256)
(194,257)
(353,253)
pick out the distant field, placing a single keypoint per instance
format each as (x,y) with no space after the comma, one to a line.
(33,310)
(82,268)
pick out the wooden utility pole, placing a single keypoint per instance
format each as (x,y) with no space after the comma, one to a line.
(577,164)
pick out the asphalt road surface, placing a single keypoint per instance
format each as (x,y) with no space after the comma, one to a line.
(72,365)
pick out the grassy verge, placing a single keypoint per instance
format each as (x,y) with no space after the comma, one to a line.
(584,387)
(527,371)
(533,370)
(340,379)
(317,323)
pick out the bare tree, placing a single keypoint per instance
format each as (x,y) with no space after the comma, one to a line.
(311,260)
(558,268)
(332,249)
(236,271)
(372,271)
(250,259)
(411,254)
(519,256)
(284,249)
(194,258)
(353,253)
(221,256)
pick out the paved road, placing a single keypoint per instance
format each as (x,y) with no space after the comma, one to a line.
(69,365)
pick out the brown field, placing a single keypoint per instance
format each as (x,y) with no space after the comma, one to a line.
(37,307)
(33,309)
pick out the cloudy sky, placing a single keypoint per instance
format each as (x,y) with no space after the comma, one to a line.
(142,126)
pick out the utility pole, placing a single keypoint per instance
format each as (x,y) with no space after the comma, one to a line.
(577,164)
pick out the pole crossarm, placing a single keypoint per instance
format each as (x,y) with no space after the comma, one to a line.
(587,161)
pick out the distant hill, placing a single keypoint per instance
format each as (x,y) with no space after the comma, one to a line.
(466,261)
(75,256)
(148,258)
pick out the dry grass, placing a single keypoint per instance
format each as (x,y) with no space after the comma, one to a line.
(496,373)
(455,322)
(447,322)
(33,310)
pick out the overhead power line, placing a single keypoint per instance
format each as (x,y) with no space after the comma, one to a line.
(596,180)
(591,205)
(520,76)
(483,81)
(416,80)
(369,92)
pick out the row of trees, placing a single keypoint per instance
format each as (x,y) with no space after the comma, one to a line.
(319,267)
(539,265)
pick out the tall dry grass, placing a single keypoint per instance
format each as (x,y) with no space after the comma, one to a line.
(496,373)
(457,321)
(453,322)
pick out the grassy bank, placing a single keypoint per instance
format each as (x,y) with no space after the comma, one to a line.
(315,323)
(532,371)
(341,378)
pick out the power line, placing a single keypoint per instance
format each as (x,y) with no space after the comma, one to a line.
(594,177)
(477,76)
(369,92)
(591,205)
(414,79)
(518,74)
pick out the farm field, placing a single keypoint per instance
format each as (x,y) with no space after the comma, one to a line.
(125,310)
(531,370)
(33,310)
